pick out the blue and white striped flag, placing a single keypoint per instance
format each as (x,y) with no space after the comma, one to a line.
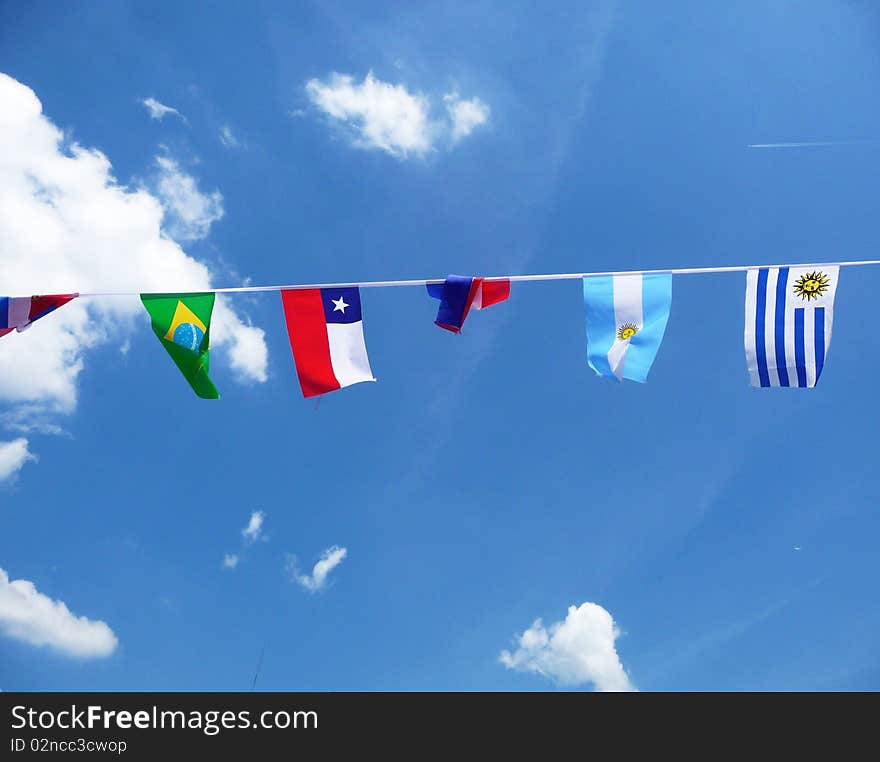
(788,323)
(626,318)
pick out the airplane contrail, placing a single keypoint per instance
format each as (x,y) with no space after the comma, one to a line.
(812,144)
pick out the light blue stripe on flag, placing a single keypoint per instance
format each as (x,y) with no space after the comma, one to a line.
(626,318)
(601,323)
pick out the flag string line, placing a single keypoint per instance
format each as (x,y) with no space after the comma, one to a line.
(511,278)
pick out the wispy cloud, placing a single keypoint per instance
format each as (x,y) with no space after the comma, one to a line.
(228,138)
(230,560)
(252,532)
(28,615)
(159,110)
(389,117)
(254,529)
(576,651)
(317,580)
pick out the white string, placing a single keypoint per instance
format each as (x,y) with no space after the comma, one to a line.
(512,278)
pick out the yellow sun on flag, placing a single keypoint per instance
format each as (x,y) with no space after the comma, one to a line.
(627,331)
(811,285)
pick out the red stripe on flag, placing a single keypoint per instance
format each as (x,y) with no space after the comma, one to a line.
(307,329)
(495,291)
(44,304)
(472,294)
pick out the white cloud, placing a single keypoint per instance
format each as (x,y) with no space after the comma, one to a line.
(28,615)
(250,534)
(254,529)
(317,580)
(465,116)
(66,223)
(159,110)
(28,419)
(228,138)
(576,651)
(230,560)
(245,343)
(390,118)
(189,212)
(13,455)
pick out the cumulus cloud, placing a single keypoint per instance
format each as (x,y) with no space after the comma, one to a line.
(189,213)
(13,455)
(159,110)
(243,342)
(67,224)
(254,529)
(388,117)
(576,651)
(465,115)
(317,580)
(28,615)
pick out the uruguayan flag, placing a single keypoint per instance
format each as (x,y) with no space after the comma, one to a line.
(788,323)
(626,317)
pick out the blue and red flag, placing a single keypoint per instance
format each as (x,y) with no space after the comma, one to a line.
(18,312)
(457,294)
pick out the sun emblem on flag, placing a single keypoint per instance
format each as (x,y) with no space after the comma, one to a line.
(627,331)
(811,285)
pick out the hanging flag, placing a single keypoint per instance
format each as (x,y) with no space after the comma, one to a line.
(327,338)
(18,312)
(788,323)
(458,294)
(626,318)
(182,323)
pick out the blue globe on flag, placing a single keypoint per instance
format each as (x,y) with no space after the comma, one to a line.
(188,336)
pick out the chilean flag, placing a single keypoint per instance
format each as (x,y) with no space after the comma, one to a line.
(18,312)
(327,338)
(458,294)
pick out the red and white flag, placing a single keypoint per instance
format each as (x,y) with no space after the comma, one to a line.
(327,338)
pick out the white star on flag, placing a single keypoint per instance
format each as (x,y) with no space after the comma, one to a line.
(340,305)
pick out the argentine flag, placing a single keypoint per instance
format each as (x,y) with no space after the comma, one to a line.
(626,318)
(789,311)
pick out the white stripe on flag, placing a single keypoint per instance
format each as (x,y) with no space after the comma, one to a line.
(627,309)
(829,319)
(770,326)
(810,345)
(19,311)
(477,304)
(790,351)
(348,353)
(751,310)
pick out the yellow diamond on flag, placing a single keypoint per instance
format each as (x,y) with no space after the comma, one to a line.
(186,329)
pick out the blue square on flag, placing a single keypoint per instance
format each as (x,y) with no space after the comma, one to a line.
(341,305)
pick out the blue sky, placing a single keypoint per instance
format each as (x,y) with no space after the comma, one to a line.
(489,479)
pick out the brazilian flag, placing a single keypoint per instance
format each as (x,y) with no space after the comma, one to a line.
(182,322)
